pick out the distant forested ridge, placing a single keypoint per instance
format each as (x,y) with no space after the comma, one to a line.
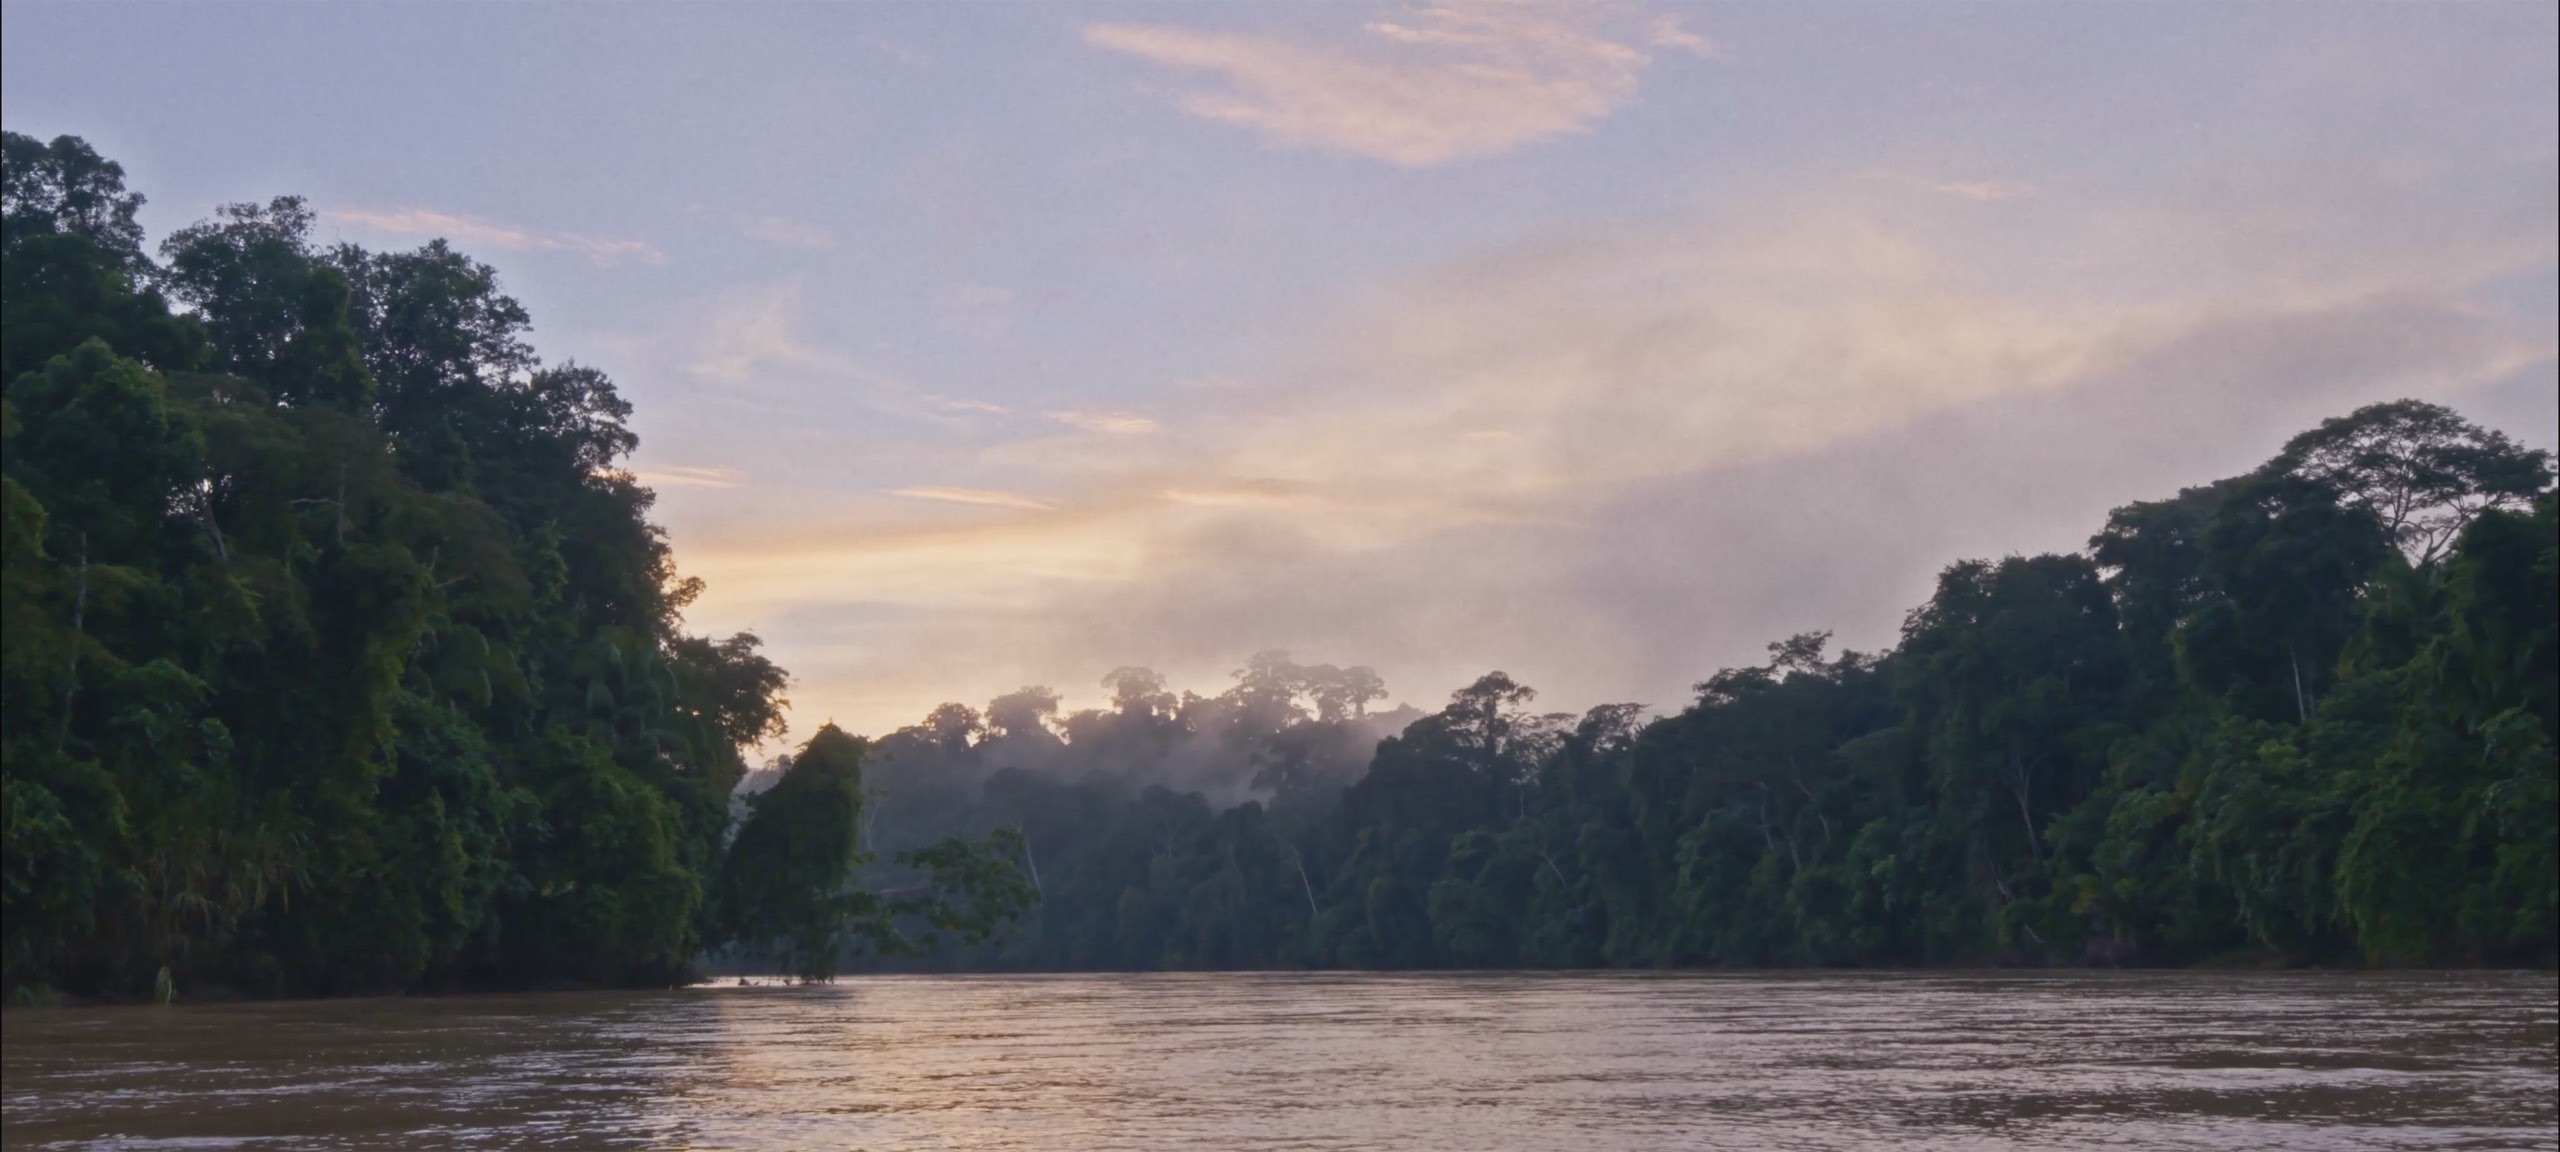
(339,652)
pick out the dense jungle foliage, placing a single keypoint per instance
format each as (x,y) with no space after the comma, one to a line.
(2303,715)
(339,654)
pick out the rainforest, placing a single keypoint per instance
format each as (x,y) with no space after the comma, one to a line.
(341,656)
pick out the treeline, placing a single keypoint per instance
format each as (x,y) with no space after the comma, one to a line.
(339,652)
(2303,715)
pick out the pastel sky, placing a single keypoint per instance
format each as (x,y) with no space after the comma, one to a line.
(982,345)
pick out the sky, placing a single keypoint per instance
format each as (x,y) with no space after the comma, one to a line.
(984,345)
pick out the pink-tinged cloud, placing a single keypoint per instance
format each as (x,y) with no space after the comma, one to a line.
(1108,423)
(685,476)
(987,497)
(1436,84)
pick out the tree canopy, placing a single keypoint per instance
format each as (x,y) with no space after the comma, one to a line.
(2302,715)
(341,655)
(340,652)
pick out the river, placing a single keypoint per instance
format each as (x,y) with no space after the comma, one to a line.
(1328,1061)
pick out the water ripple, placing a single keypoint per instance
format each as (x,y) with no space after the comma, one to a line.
(1921,1062)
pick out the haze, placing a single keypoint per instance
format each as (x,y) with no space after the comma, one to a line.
(977,346)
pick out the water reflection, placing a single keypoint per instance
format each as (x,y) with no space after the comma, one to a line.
(2149,1060)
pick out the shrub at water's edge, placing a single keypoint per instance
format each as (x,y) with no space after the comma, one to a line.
(786,894)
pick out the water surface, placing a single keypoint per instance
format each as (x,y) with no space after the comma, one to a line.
(1329,1061)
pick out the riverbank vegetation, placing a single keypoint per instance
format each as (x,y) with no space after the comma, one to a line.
(340,656)
(2299,716)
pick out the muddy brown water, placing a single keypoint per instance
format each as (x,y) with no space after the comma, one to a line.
(1910,1062)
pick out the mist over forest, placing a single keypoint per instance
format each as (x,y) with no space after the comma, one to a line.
(1281,728)
(342,656)
(2301,715)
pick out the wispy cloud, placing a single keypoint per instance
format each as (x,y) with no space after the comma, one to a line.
(1439,83)
(1579,437)
(486,233)
(1669,32)
(684,476)
(752,333)
(1110,423)
(1237,494)
(784,230)
(988,497)
(956,404)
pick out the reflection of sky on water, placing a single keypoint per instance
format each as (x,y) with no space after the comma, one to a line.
(1640,1062)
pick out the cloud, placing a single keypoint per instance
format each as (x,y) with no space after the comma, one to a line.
(785,230)
(980,496)
(1667,32)
(1511,385)
(1445,82)
(1108,423)
(753,333)
(683,476)
(761,348)
(1237,494)
(507,237)
(1606,458)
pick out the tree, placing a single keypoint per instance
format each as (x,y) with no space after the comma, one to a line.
(293,705)
(788,885)
(1139,692)
(2420,469)
(2287,561)
(247,275)
(65,188)
(75,269)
